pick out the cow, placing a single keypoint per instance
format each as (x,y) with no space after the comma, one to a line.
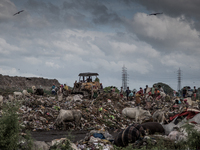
(68,116)
(25,93)
(169,127)
(153,127)
(159,116)
(136,113)
(17,94)
(37,91)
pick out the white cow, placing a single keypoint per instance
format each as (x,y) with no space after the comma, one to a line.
(17,94)
(169,127)
(25,93)
(136,113)
(33,89)
(159,116)
(68,116)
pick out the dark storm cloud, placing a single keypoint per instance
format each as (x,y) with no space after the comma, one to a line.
(47,10)
(190,9)
(76,14)
(60,39)
(96,10)
(164,33)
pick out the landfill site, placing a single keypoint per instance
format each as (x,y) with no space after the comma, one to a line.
(88,117)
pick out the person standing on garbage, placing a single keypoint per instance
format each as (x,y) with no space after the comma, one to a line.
(145,90)
(140,92)
(184,92)
(189,95)
(60,89)
(137,97)
(101,85)
(153,90)
(160,88)
(157,94)
(127,92)
(121,92)
(195,93)
(148,101)
(162,93)
(133,94)
(53,89)
(130,96)
(66,89)
(113,89)
(189,92)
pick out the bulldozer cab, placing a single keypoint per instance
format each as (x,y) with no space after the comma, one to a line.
(87,84)
(87,77)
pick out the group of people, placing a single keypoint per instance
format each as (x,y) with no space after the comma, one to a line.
(58,89)
(154,93)
(189,95)
(188,92)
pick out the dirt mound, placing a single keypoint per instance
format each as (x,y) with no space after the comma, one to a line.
(20,83)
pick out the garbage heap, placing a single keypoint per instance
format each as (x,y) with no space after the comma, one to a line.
(40,112)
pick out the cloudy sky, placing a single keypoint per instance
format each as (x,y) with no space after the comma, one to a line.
(59,39)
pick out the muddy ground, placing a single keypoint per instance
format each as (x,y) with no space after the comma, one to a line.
(48,136)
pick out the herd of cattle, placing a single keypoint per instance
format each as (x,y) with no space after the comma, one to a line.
(159,121)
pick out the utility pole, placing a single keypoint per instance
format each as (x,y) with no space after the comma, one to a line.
(179,81)
(124,78)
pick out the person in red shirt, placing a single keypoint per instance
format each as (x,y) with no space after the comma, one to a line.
(121,92)
(140,92)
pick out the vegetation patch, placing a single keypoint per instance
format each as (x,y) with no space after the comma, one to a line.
(10,137)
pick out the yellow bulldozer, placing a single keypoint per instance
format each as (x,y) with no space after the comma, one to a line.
(87,85)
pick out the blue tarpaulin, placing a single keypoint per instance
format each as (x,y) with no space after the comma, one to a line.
(98,135)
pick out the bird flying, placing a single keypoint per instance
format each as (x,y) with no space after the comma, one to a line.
(18,12)
(155,14)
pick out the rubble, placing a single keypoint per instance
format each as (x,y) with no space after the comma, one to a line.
(40,112)
(98,115)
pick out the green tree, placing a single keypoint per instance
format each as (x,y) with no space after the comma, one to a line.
(167,89)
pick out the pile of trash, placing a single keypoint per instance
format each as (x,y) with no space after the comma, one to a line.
(103,114)
(96,139)
(40,112)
